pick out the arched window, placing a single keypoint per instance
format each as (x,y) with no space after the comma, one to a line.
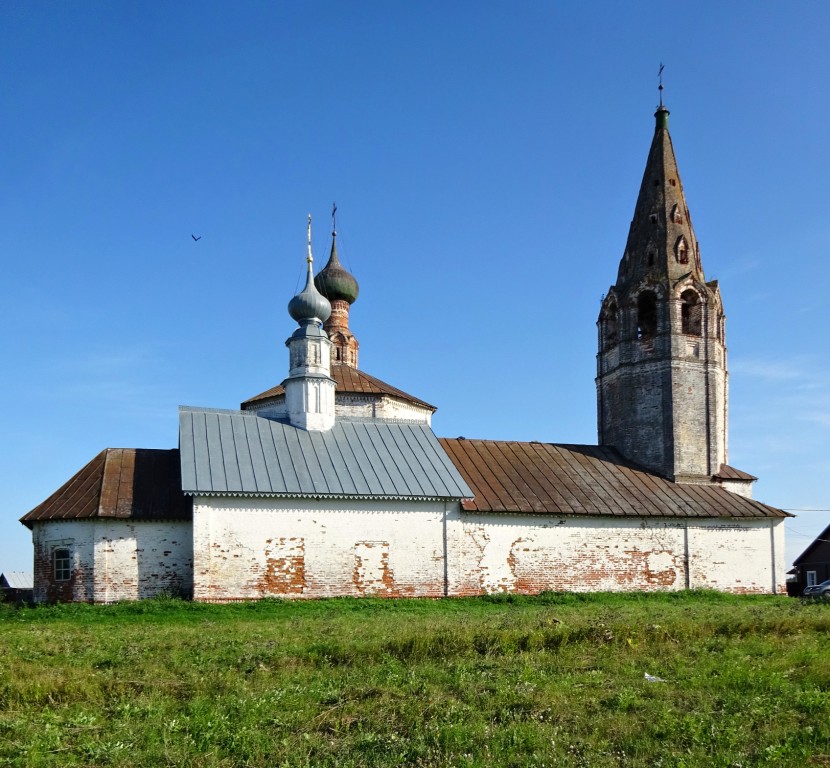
(681,250)
(690,312)
(646,315)
(610,326)
(675,214)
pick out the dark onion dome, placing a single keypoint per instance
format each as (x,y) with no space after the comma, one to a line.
(333,281)
(308,305)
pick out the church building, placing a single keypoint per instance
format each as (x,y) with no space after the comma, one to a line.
(333,483)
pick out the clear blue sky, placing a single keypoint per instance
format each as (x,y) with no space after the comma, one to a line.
(485,158)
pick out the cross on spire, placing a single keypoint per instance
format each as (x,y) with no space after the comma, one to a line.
(660,80)
(309,258)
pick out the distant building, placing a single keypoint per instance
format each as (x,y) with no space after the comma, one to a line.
(17,586)
(812,566)
(333,483)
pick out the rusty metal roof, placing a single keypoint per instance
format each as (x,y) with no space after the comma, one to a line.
(551,479)
(730,473)
(350,381)
(238,453)
(136,483)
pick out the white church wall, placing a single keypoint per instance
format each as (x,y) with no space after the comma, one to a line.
(741,556)
(529,554)
(246,549)
(76,536)
(348,406)
(139,559)
(113,560)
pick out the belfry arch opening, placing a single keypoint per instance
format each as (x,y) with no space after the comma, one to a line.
(610,326)
(646,315)
(690,312)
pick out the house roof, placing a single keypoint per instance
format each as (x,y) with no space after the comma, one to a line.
(136,483)
(347,380)
(551,479)
(238,453)
(16,580)
(822,538)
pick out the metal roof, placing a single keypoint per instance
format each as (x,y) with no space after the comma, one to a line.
(730,473)
(348,380)
(136,483)
(550,479)
(16,580)
(238,453)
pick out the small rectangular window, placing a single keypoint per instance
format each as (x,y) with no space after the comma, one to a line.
(811,578)
(62,564)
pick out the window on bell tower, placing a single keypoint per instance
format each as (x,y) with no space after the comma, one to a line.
(681,250)
(646,315)
(610,326)
(690,312)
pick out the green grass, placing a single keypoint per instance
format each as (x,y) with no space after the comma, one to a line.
(554,680)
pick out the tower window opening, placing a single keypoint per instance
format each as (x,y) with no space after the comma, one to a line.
(690,312)
(681,250)
(671,181)
(653,218)
(675,215)
(651,259)
(610,327)
(646,315)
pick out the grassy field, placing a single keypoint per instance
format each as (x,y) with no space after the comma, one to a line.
(554,680)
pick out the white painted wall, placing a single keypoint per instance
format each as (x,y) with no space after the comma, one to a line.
(243,548)
(246,549)
(348,406)
(523,553)
(114,559)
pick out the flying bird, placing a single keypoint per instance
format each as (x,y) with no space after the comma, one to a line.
(196,239)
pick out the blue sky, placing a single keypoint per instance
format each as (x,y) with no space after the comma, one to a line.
(485,158)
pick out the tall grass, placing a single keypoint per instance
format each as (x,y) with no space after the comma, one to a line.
(504,680)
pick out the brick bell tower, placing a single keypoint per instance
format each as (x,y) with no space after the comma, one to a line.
(661,366)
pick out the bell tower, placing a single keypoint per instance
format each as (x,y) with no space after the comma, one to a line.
(661,365)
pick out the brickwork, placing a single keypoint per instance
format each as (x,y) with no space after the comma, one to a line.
(287,548)
(344,344)
(113,560)
(249,549)
(516,553)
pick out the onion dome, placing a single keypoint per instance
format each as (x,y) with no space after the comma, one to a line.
(309,306)
(333,281)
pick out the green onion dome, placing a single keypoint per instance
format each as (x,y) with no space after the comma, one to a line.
(333,281)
